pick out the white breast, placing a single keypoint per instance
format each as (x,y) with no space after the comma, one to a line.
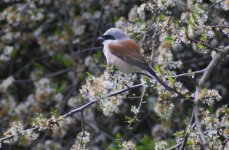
(117,62)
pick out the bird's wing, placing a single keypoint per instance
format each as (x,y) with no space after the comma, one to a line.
(128,51)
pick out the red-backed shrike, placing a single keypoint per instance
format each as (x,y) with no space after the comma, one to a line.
(124,53)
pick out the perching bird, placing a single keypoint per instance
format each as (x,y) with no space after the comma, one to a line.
(125,55)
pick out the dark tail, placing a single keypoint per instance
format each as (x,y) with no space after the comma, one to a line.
(162,82)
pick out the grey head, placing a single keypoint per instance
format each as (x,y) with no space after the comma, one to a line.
(113,34)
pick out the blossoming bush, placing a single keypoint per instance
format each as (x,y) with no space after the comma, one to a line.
(57,93)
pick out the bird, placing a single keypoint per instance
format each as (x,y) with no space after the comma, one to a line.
(124,53)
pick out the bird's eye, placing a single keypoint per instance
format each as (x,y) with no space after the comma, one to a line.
(108,37)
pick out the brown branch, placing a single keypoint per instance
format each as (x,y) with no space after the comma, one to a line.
(87,50)
(213,5)
(217,58)
(80,109)
(139,106)
(225,143)
(183,144)
(195,114)
(57,73)
(187,73)
(219,26)
(205,44)
(210,69)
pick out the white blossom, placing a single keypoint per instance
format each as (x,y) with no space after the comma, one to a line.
(81,141)
(209,96)
(6,83)
(98,88)
(6,54)
(161,145)
(128,145)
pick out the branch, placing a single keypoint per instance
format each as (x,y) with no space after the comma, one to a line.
(88,49)
(187,73)
(213,5)
(205,44)
(60,72)
(80,109)
(183,144)
(219,26)
(217,58)
(210,69)
(139,106)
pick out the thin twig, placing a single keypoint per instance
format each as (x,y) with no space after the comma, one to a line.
(139,106)
(183,144)
(213,5)
(83,127)
(205,44)
(187,73)
(219,26)
(87,50)
(60,72)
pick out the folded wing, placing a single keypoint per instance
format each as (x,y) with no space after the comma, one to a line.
(129,51)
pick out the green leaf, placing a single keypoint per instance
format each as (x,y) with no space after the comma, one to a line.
(145,144)
(40,116)
(161,16)
(98,55)
(61,59)
(54,112)
(37,65)
(168,38)
(115,145)
(203,37)
(67,62)
(189,142)
(200,46)
(58,31)
(89,75)
(178,133)
(158,68)
(171,143)
(60,88)
(127,118)
(13,54)
(172,81)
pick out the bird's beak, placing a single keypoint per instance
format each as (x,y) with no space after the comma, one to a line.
(101,39)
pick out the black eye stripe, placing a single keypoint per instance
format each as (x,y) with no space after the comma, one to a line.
(108,37)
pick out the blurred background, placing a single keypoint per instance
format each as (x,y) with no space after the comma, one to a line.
(48,46)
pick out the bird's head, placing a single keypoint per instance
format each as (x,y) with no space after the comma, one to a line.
(113,34)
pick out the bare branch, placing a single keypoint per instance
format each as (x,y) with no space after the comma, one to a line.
(87,50)
(60,72)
